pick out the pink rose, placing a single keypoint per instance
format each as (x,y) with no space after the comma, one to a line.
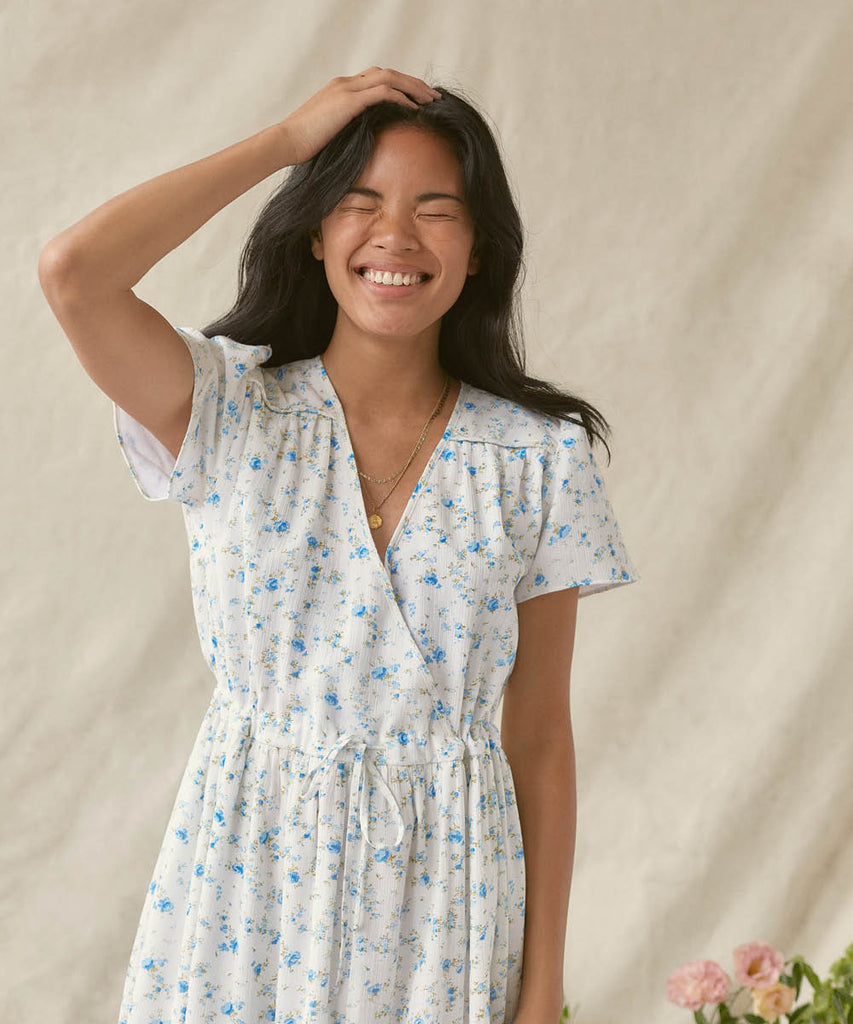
(757,965)
(771,1002)
(701,981)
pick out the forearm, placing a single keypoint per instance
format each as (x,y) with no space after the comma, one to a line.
(544,778)
(116,244)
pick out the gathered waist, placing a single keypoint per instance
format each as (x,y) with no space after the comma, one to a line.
(412,746)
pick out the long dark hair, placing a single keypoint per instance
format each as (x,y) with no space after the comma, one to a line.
(284,300)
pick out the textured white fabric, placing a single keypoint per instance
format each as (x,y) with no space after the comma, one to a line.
(367,687)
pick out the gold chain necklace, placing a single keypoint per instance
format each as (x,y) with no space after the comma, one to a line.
(374,520)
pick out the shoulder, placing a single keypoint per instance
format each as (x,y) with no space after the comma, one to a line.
(295,387)
(491,419)
(238,365)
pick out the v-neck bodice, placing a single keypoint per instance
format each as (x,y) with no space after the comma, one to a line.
(288,584)
(325,385)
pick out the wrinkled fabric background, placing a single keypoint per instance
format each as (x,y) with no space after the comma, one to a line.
(685,174)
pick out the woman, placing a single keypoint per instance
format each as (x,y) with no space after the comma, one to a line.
(390,525)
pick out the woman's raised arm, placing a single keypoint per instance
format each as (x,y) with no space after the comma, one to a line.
(87,272)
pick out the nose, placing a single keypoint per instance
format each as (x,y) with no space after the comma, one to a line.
(394,230)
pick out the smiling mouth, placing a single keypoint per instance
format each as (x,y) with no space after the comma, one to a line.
(392,280)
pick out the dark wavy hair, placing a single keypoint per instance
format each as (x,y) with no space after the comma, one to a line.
(284,299)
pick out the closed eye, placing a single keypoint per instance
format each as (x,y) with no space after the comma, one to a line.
(363,209)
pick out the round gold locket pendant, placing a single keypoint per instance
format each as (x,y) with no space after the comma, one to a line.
(374,521)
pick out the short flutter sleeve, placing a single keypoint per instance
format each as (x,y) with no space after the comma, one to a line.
(223,397)
(579,542)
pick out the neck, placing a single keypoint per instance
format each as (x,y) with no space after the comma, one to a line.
(382,378)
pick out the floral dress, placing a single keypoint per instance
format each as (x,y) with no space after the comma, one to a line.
(345,844)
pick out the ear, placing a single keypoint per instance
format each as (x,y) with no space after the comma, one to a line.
(473,261)
(317,244)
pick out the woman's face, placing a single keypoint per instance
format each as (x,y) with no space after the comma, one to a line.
(405,215)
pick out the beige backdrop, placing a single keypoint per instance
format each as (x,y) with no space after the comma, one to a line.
(685,173)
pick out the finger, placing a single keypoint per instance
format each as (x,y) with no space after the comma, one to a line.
(414,87)
(378,93)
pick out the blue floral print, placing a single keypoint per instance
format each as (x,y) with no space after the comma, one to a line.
(345,844)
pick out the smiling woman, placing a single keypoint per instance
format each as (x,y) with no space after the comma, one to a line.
(286,298)
(402,217)
(348,841)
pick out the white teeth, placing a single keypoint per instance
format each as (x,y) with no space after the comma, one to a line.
(386,277)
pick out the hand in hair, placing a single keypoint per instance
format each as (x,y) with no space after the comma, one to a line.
(313,124)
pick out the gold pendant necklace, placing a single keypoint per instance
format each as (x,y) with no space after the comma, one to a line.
(374,520)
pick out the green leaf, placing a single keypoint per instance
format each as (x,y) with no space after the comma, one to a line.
(797,972)
(725,1015)
(799,1012)
(699,1017)
(753,1018)
(814,980)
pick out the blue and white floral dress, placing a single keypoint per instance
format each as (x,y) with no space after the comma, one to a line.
(345,844)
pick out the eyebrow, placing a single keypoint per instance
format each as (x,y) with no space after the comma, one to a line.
(422,198)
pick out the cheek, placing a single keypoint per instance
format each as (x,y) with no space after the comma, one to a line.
(456,247)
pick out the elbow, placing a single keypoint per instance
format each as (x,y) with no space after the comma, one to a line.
(55,268)
(61,274)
